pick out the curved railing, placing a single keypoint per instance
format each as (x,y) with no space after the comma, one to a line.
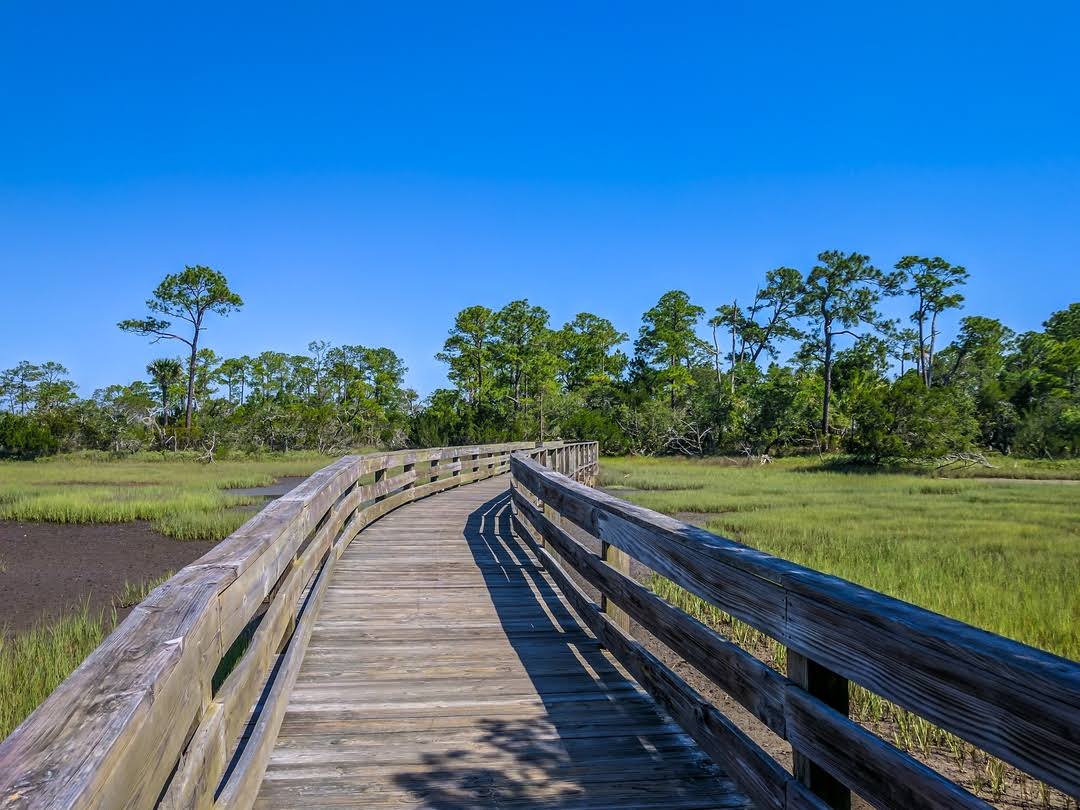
(181,704)
(1018,703)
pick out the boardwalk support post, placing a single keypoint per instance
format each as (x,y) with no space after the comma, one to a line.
(832,690)
(620,561)
(379,476)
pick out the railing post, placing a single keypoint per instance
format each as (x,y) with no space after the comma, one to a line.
(620,561)
(410,468)
(475,464)
(456,460)
(832,690)
(433,476)
(379,476)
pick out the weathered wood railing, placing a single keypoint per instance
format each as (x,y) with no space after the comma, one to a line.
(181,704)
(1018,703)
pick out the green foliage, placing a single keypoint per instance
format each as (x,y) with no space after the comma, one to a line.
(667,342)
(25,436)
(809,364)
(185,296)
(907,420)
(933,284)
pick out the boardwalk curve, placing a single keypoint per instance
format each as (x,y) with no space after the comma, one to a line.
(445,670)
(420,629)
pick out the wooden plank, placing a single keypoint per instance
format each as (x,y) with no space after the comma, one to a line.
(865,763)
(757,774)
(1020,704)
(114,731)
(831,690)
(464,669)
(749,681)
(242,785)
(1016,702)
(739,580)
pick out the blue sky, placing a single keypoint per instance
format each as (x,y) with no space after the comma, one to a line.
(361,172)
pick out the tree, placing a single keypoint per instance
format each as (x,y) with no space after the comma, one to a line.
(907,420)
(588,349)
(52,388)
(731,317)
(165,372)
(468,351)
(932,283)
(769,318)
(841,295)
(667,340)
(520,352)
(232,373)
(187,296)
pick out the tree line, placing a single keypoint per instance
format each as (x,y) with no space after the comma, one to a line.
(808,364)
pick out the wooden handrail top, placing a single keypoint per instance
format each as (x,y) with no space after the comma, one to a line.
(1018,703)
(143,721)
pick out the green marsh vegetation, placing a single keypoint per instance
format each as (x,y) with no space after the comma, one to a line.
(179,497)
(33,663)
(1001,555)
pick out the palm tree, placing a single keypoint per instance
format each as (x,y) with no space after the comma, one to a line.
(165,371)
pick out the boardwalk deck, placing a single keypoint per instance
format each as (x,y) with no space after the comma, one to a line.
(446,671)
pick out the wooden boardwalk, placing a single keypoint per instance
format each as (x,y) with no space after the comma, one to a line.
(445,670)
(380,637)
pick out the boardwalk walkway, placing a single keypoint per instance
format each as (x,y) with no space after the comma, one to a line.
(446,671)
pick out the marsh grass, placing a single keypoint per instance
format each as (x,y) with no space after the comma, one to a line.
(1000,555)
(181,499)
(134,592)
(34,663)
(1003,556)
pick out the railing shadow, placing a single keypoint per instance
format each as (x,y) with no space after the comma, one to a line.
(592,738)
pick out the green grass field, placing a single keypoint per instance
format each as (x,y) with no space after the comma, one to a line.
(181,498)
(178,496)
(1002,555)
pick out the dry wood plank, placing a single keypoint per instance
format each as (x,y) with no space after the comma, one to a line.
(749,681)
(112,733)
(757,774)
(401,673)
(1019,703)
(242,786)
(867,764)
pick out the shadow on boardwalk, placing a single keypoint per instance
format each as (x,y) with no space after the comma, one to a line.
(596,739)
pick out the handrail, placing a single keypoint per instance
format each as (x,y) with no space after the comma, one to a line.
(156,716)
(1018,703)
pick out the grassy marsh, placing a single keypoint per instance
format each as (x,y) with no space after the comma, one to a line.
(1001,555)
(179,498)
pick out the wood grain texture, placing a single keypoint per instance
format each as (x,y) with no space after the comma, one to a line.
(865,763)
(446,670)
(139,711)
(756,773)
(754,684)
(1019,703)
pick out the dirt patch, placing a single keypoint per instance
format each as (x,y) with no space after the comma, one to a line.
(47,569)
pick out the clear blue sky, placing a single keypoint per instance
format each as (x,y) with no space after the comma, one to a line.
(362,171)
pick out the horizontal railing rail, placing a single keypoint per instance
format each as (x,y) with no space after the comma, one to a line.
(181,704)
(1018,703)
